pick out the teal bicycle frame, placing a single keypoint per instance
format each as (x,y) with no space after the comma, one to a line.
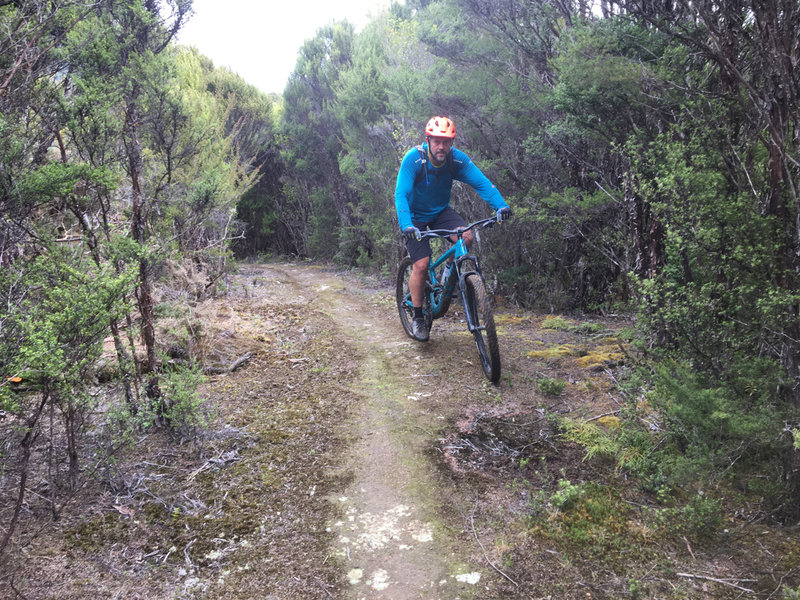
(441,294)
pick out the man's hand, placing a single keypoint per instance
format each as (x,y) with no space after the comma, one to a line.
(503,214)
(412,233)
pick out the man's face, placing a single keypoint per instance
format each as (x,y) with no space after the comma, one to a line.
(439,147)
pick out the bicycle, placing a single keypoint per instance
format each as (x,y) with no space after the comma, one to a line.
(466,272)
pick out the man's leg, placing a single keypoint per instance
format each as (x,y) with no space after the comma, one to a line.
(420,254)
(416,283)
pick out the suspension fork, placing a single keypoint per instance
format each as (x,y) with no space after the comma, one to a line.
(462,286)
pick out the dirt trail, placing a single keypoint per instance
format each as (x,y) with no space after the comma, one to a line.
(394,537)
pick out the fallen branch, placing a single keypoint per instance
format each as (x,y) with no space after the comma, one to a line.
(199,470)
(230,369)
(239,362)
(613,413)
(728,582)
(491,564)
(222,459)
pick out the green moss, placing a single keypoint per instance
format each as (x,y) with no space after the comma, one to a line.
(602,356)
(593,521)
(557,352)
(501,319)
(558,323)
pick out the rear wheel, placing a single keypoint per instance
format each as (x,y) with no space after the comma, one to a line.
(480,310)
(403,295)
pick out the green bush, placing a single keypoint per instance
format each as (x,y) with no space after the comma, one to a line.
(727,419)
(788,593)
(551,387)
(567,494)
(595,440)
(700,518)
(180,407)
(183,407)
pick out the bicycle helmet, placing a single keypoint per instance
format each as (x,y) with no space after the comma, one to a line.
(440,127)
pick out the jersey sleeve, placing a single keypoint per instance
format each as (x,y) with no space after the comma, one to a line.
(404,189)
(472,175)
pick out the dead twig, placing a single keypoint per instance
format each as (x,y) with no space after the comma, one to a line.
(14,589)
(689,547)
(613,413)
(222,459)
(430,433)
(491,564)
(324,587)
(780,583)
(728,582)
(186,556)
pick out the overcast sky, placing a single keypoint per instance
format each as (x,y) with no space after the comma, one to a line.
(259,39)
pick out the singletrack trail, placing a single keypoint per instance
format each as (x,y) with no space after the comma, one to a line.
(396,531)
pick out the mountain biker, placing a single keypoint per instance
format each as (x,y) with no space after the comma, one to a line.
(422,201)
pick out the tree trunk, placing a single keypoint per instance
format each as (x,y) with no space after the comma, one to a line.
(26,445)
(144,295)
(123,358)
(635,207)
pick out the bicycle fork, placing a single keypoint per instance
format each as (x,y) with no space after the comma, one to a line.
(462,288)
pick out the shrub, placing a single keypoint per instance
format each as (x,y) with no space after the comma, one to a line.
(700,518)
(596,441)
(184,408)
(551,387)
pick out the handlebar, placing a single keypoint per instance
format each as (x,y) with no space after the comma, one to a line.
(440,233)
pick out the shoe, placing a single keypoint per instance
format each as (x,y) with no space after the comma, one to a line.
(420,330)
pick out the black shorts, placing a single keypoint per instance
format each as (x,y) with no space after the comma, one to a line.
(447,219)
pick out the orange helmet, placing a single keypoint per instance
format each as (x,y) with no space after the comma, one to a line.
(440,127)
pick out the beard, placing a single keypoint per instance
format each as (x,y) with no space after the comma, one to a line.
(439,157)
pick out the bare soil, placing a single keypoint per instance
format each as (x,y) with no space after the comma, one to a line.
(348,461)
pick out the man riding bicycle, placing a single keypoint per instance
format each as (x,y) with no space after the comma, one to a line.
(422,201)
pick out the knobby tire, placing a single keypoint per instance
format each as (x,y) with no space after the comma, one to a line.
(478,304)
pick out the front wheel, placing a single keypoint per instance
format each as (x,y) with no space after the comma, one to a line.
(478,304)
(403,295)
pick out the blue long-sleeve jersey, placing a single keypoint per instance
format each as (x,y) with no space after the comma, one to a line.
(423,190)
